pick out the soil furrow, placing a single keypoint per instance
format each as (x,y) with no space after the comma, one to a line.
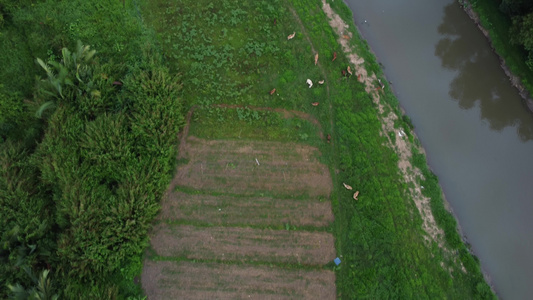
(242,167)
(188,280)
(243,244)
(228,211)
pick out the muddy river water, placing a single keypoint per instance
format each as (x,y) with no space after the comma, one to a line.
(477,133)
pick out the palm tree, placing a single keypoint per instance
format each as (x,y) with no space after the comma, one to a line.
(43,289)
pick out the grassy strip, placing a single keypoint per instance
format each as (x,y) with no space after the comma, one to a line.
(285,266)
(193,191)
(498,25)
(250,124)
(282,226)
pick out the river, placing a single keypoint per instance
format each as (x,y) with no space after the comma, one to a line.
(477,133)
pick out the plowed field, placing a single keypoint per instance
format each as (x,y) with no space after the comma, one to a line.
(246,167)
(243,244)
(187,280)
(231,224)
(233,210)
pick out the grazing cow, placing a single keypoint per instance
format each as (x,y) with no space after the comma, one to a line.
(343,73)
(291,36)
(321,82)
(355,195)
(314,103)
(309,82)
(316,59)
(117,83)
(349,70)
(359,77)
(328,137)
(347,186)
(272,92)
(382,85)
(334,56)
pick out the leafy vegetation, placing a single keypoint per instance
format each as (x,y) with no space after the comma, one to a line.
(251,123)
(80,186)
(521,13)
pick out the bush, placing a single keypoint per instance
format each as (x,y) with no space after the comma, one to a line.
(109,172)
(82,200)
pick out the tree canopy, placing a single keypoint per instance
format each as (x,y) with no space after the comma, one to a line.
(521,14)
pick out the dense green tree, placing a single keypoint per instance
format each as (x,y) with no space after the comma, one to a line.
(27,239)
(42,288)
(522,34)
(520,14)
(516,7)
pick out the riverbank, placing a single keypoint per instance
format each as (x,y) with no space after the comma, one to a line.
(438,223)
(491,23)
(422,164)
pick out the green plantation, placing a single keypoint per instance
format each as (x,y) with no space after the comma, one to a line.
(94,93)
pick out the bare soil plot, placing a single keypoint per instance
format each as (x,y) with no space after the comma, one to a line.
(246,166)
(188,280)
(238,171)
(243,244)
(232,210)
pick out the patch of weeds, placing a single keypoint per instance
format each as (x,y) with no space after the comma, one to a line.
(251,124)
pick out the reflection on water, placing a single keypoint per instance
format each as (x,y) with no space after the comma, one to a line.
(476,81)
